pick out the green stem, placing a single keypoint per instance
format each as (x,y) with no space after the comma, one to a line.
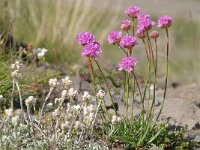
(133,27)
(92,74)
(155,72)
(137,84)
(13,89)
(123,49)
(133,98)
(146,50)
(167,72)
(111,98)
(94,86)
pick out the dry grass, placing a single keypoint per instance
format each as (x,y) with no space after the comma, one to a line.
(54,24)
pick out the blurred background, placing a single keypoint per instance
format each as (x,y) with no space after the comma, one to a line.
(53,24)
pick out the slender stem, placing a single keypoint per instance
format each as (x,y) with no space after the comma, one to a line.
(20,96)
(137,83)
(12,100)
(126,92)
(133,27)
(156,67)
(45,101)
(150,49)
(123,49)
(155,74)
(145,46)
(133,98)
(111,98)
(92,74)
(167,72)
(94,85)
(31,122)
(98,107)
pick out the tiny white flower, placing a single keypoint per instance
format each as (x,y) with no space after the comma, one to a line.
(9,112)
(53,82)
(115,119)
(76,107)
(101,94)
(56,112)
(66,82)
(15,120)
(16,74)
(72,93)
(89,109)
(78,125)
(16,66)
(86,96)
(41,52)
(49,105)
(30,101)
(64,93)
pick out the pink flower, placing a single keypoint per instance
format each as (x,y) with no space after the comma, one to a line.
(128,42)
(133,11)
(114,37)
(140,33)
(126,25)
(91,50)
(127,64)
(165,22)
(85,38)
(144,23)
(154,34)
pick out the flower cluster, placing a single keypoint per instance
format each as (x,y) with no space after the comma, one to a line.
(144,24)
(16,70)
(115,119)
(114,37)
(101,94)
(66,82)
(53,83)
(133,11)
(128,42)
(165,22)
(40,52)
(30,101)
(91,48)
(128,64)
(126,25)
(85,38)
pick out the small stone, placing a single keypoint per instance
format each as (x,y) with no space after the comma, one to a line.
(155,148)
(197,139)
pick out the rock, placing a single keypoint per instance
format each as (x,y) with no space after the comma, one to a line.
(155,148)
(197,139)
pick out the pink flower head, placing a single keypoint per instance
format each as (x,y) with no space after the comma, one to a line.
(128,42)
(114,37)
(140,33)
(126,25)
(165,22)
(154,34)
(128,64)
(91,50)
(85,38)
(132,11)
(144,22)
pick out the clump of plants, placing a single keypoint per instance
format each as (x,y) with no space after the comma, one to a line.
(74,121)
